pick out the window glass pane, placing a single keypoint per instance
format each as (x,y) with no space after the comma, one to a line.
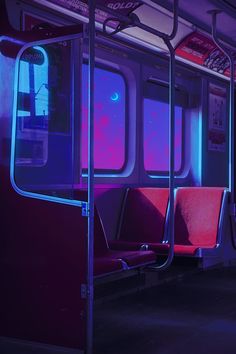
(156,136)
(32,128)
(44,140)
(109,120)
(24,77)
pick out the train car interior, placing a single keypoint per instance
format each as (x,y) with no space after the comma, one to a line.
(117,176)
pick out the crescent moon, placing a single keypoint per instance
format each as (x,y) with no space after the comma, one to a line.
(115,96)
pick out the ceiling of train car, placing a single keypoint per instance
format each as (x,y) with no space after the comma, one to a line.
(196,13)
(161,20)
(193,15)
(231,3)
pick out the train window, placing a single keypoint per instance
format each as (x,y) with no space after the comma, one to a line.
(32,110)
(110,120)
(156,136)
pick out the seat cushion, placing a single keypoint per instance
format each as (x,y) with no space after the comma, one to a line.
(159,248)
(187,250)
(103,265)
(133,258)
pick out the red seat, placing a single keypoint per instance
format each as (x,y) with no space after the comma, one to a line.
(160,248)
(143,220)
(133,258)
(108,261)
(104,265)
(197,212)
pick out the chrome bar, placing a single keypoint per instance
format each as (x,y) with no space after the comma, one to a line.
(90,241)
(230,57)
(171,225)
(171,153)
(175,19)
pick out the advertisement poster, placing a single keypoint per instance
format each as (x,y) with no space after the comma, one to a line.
(200,49)
(217,119)
(124,7)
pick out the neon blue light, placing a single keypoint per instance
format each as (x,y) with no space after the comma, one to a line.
(24,85)
(115,97)
(200,151)
(23,113)
(40,85)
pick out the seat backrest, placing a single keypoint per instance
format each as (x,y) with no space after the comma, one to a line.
(197,212)
(143,215)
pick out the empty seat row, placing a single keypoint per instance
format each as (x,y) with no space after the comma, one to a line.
(107,261)
(144,220)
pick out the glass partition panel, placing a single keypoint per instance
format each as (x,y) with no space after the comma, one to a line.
(45,156)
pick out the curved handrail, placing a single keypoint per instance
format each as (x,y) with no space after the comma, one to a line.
(133,21)
(121,24)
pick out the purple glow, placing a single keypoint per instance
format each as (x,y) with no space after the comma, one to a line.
(109,122)
(156,136)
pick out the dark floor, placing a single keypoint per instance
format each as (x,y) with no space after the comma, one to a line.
(196,315)
(192,315)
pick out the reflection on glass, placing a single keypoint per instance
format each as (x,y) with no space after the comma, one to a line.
(44,143)
(156,136)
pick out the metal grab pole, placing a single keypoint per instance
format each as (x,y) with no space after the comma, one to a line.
(171,226)
(166,38)
(90,241)
(229,55)
(175,25)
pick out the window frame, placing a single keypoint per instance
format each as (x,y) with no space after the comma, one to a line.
(110,172)
(149,93)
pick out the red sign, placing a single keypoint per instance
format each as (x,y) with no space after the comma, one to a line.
(201,50)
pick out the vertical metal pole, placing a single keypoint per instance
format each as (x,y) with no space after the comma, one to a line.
(90,250)
(175,24)
(229,55)
(171,226)
(172,134)
(171,150)
(231,150)
(231,132)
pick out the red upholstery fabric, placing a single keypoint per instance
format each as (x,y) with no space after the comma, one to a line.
(197,211)
(104,265)
(144,215)
(159,248)
(187,250)
(124,245)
